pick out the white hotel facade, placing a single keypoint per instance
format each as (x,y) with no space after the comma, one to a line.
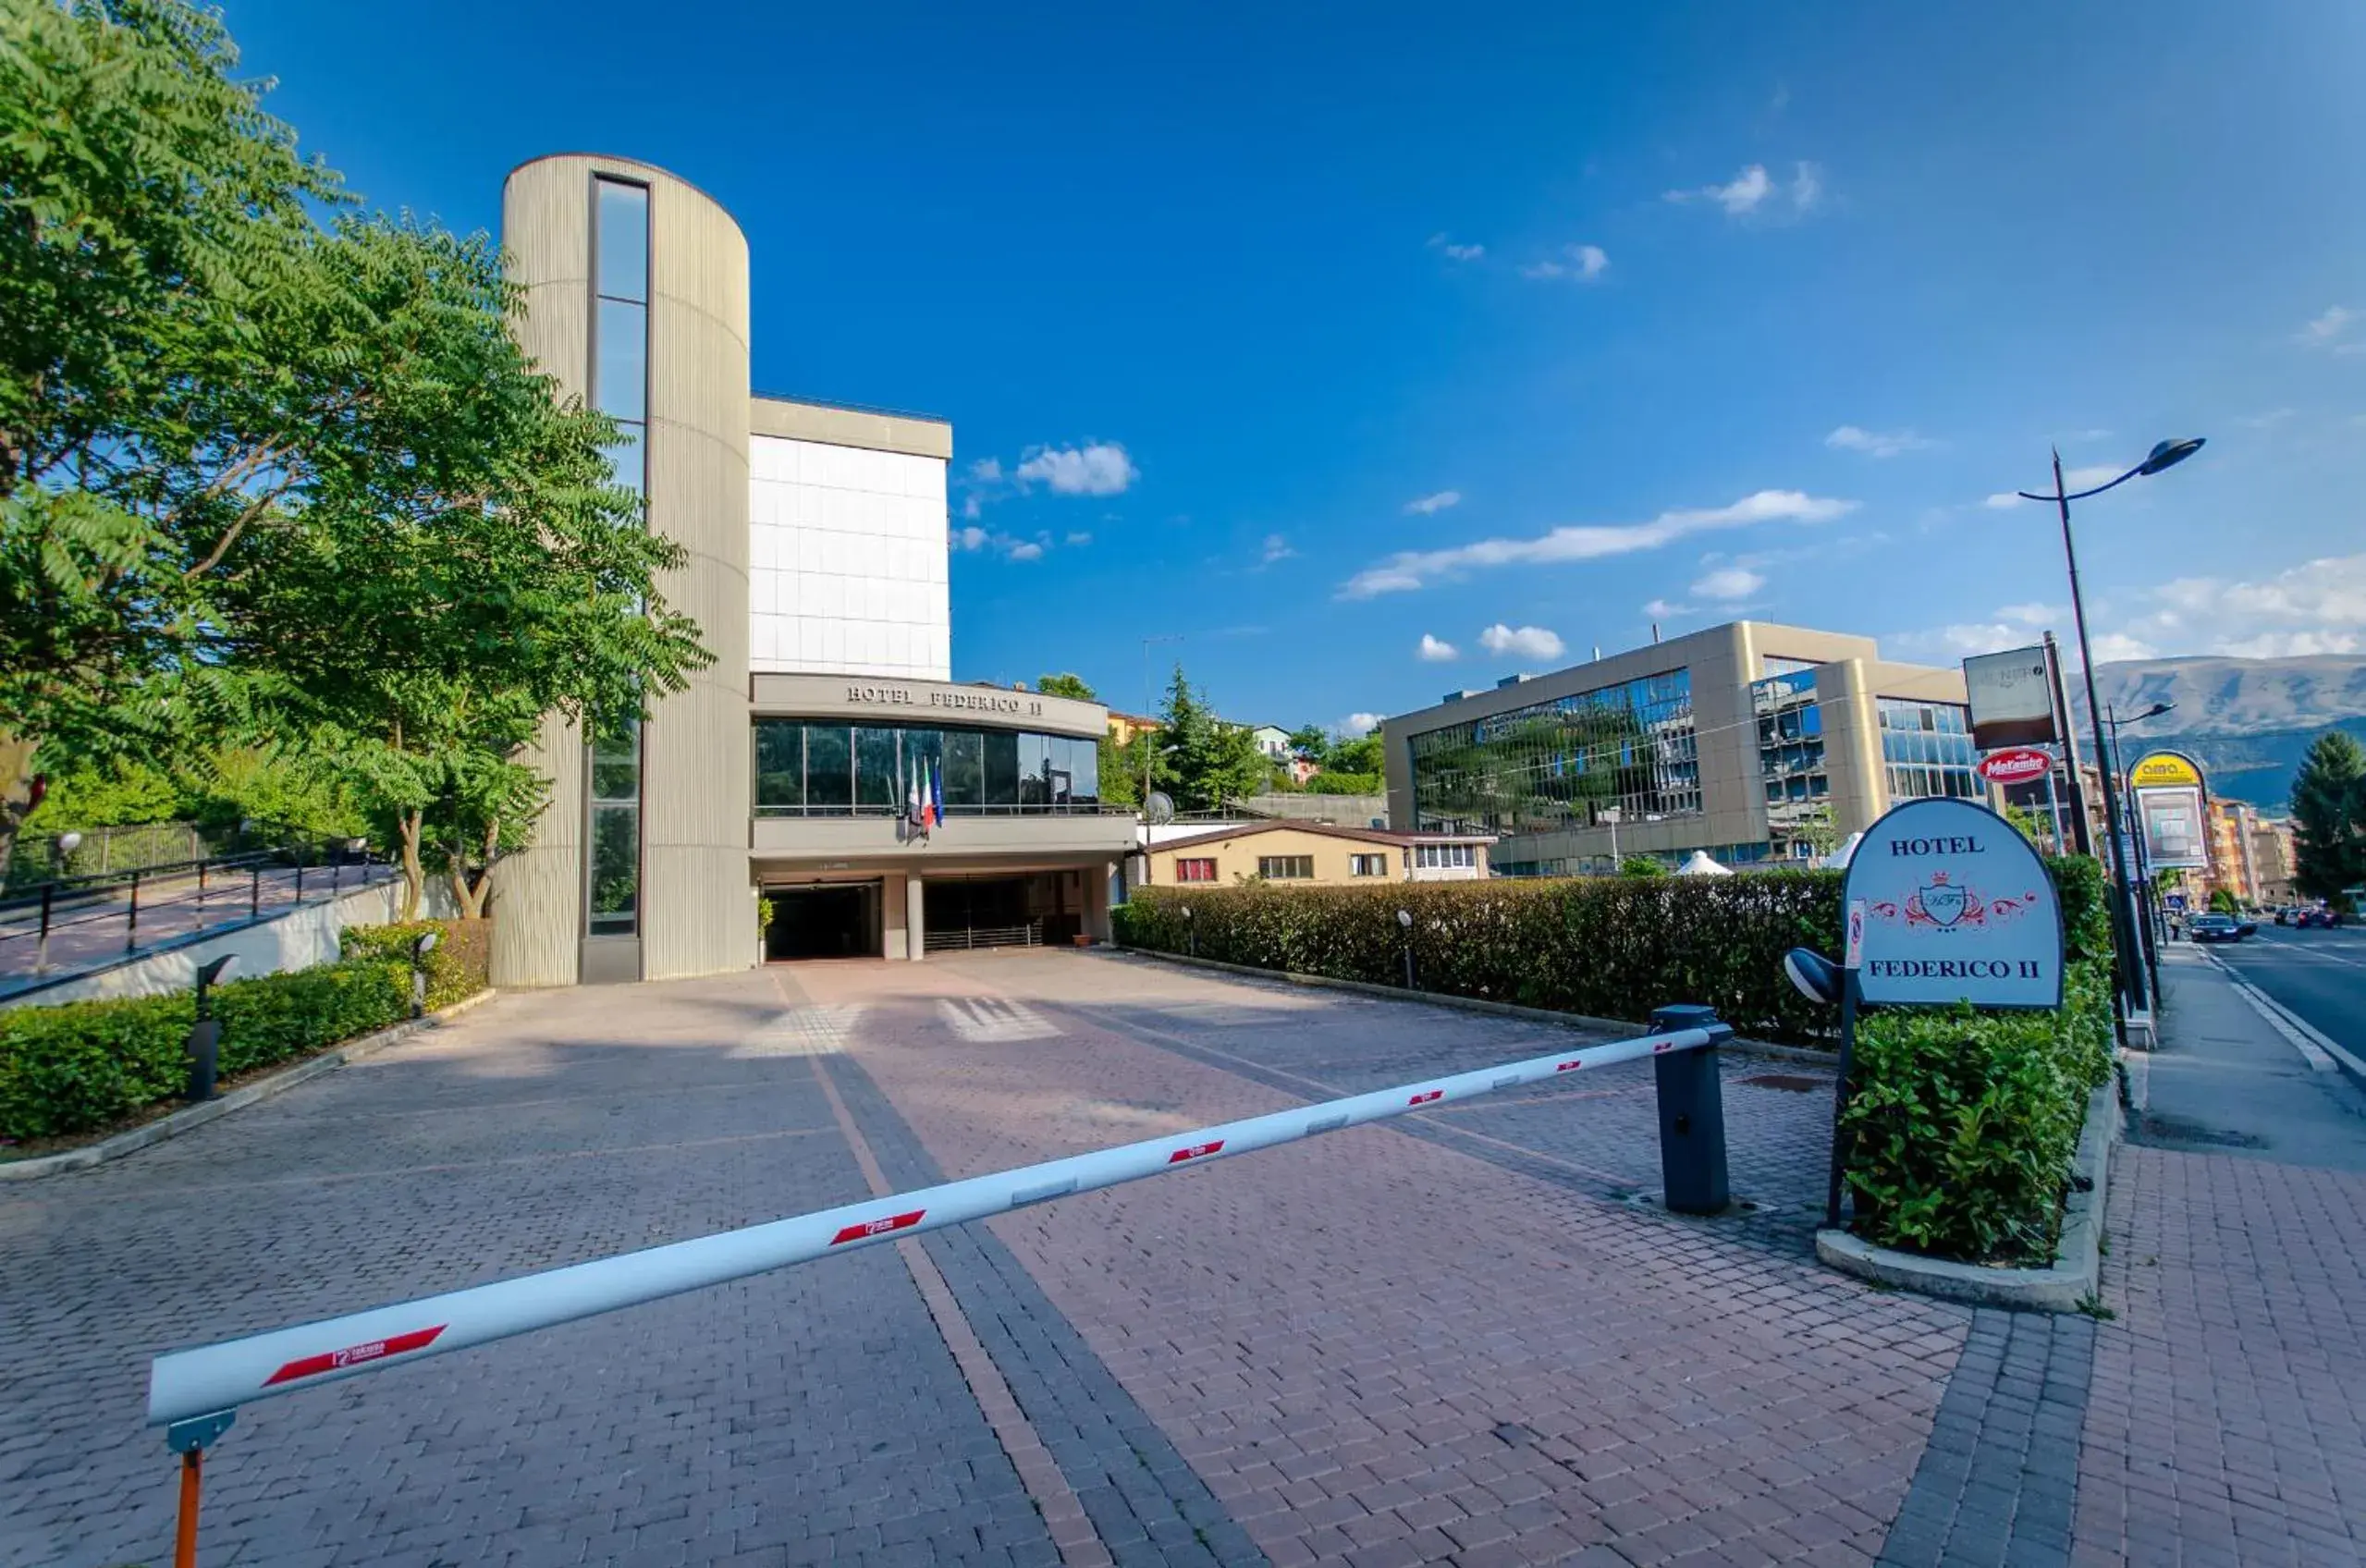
(817,568)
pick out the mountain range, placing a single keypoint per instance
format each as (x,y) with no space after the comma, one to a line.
(2248,722)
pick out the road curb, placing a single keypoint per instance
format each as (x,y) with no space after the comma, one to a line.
(197,1115)
(2071,1282)
(1473,1004)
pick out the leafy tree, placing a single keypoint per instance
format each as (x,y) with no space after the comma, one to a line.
(1067,686)
(1361,755)
(152,221)
(1819,831)
(1121,772)
(1311,742)
(1200,759)
(2329,816)
(1641,865)
(2222,902)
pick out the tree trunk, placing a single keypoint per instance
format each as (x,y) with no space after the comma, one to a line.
(415,875)
(19,791)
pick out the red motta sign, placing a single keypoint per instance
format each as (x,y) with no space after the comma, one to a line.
(2016,765)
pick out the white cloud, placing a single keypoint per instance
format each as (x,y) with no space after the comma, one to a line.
(1455,253)
(2035,612)
(1807,188)
(1429,505)
(2267,419)
(973,507)
(1526,641)
(2002,501)
(1026,550)
(1753,192)
(2113,647)
(1661,609)
(2331,330)
(1432,651)
(971,538)
(1276,548)
(1729,583)
(1583,263)
(1415,568)
(1877,443)
(1013,547)
(986,471)
(1101,468)
(1358,724)
(1079,538)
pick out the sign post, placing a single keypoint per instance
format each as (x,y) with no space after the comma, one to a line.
(1946,902)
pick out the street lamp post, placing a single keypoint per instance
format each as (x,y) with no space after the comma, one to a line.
(2165,454)
(2146,904)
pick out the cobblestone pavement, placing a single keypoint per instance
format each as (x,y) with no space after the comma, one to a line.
(1375,1349)
(2227,1417)
(1465,1339)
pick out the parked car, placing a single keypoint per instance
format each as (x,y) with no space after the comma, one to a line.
(2328,918)
(2217,928)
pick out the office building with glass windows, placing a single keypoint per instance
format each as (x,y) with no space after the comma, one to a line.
(825,788)
(1751,740)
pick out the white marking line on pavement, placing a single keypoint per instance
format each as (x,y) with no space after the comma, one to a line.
(983,1020)
(2311,1043)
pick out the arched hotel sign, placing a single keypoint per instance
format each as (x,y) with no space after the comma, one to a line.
(1956,907)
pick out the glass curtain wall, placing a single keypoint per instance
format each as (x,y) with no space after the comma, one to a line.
(619,389)
(812,768)
(1791,759)
(1926,748)
(1557,765)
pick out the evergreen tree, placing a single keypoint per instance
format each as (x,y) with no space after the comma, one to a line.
(2329,816)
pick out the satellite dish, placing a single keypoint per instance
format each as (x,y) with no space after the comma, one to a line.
(1159,810)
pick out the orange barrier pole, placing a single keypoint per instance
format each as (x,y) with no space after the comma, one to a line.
(185,1534)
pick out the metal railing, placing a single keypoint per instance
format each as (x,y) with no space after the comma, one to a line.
(74,922)
(960,938)
(1029,808)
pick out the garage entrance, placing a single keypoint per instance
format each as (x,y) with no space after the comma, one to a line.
(823,919)
(961,912)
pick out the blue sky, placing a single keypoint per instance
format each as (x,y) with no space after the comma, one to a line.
(1329,337)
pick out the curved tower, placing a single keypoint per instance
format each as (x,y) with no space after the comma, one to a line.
(636,299)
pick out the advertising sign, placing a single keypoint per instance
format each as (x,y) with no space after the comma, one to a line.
(2011,699)
(1957,909)
(2015,764)
(2169,792)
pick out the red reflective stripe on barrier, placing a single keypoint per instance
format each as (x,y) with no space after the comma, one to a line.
(1663,1046)
(1571,1066)
(877,1227)
(1424,1099)
(313,1366)
(1194,1152)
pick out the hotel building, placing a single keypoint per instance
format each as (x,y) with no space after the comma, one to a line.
(816,567)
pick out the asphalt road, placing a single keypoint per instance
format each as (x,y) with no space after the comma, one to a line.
(2321,975)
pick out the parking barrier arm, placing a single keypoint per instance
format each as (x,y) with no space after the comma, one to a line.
(209,1381)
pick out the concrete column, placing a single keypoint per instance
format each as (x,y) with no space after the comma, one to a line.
(914,925)
(892,937)
(1097,899)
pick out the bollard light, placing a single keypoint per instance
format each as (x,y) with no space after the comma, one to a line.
(204,1046)
(418,952)
(1405,918)
(1405,923)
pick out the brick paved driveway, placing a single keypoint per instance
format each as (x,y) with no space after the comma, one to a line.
(1458,1341)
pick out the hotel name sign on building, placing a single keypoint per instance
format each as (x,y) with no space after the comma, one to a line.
(1958,908)
(868,695)
(866,699)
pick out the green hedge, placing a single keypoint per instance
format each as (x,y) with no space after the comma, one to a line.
(86,1065)
(1610,947)
(1963,1126)
(456,969)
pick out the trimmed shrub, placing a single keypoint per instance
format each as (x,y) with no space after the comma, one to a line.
(457,969)
(1963,1126)
(85,1065)
(1609,946)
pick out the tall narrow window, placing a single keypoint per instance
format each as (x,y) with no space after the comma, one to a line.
(620,388)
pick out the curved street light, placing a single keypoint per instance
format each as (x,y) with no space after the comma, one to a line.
(2164,455)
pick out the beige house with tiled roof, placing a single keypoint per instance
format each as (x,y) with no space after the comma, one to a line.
(1314,855)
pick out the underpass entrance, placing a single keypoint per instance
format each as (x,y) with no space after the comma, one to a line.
(823,919)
